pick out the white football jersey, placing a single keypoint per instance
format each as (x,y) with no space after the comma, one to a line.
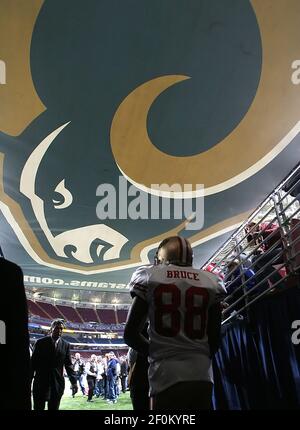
(178,299)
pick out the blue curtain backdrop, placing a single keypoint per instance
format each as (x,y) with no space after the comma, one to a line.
(257,365)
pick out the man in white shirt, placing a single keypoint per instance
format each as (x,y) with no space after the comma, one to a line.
(99,389)
(91,369)
(78,367)
(184,312)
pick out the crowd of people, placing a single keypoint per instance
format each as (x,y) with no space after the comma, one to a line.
(101,376)
(267,252)
(51,363)
(255,266)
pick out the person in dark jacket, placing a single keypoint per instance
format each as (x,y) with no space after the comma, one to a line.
(138,377)
(111,378)
(138,380)
(15,377)
(50,355)
(124,374)
(237,276)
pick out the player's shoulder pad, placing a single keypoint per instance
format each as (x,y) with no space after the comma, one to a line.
(140,275)
(218,282)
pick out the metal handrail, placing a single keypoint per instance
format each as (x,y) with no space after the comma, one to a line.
(255,288)
(260,243)
(255,299)
(290,204)
(234,235)
(242,252)
(288,177)
(263,255)
(253,215)
(255,249)
(254,276)
(252,230)
(259,233)
(261,270)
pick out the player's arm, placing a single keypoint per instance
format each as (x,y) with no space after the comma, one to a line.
(135,323)
(214,327)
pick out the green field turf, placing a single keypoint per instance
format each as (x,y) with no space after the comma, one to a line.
(80,403)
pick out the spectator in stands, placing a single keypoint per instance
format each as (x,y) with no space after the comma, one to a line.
(50,355)
(112,378)
(269,254)
(183,307)
(238,275)
(91,369)
(78,367)
(15,358)
(252,234)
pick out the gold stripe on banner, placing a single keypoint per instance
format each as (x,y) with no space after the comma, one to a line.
(271,123)
(19,102)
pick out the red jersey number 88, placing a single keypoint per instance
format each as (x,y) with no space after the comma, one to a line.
(172,309)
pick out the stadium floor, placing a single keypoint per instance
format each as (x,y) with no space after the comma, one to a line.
(80,402)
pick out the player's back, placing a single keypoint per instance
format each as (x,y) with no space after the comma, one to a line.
(178,301)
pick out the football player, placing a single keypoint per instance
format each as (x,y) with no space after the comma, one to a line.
(183,307)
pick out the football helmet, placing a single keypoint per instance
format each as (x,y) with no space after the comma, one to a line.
(174,250)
